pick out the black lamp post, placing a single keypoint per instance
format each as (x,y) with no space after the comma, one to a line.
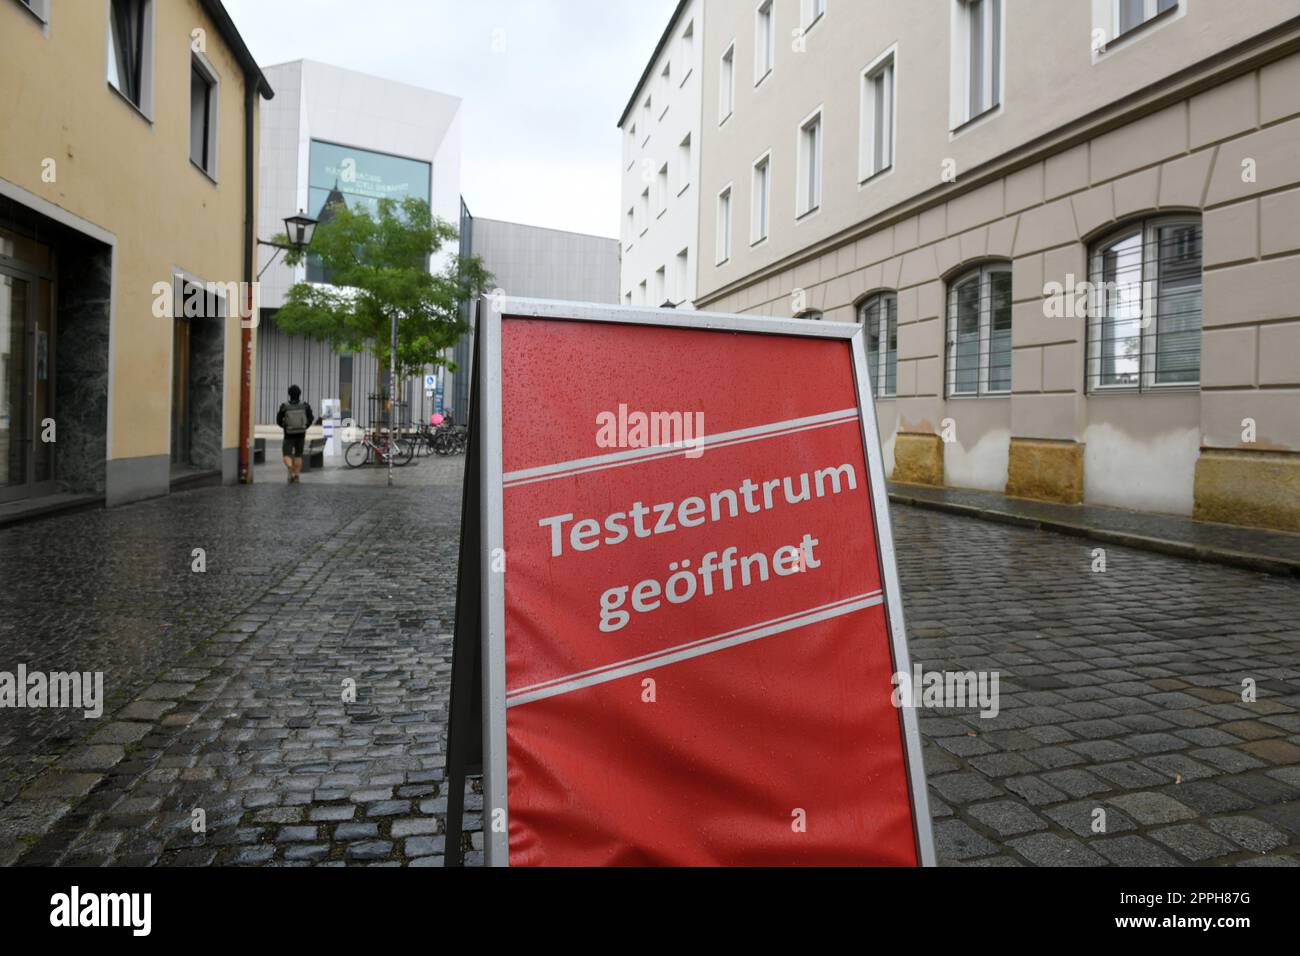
(300,230)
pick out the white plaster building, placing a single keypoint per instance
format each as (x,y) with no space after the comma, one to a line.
(661,168)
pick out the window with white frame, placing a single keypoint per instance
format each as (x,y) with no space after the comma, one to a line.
(764,41)
(682,275)
(631,226)
(878,98)
(665,86)
(39,7)
(660,292)
(727,85)
(641,293)
(810,12)
(130,50)
(724,226)
(684,164)
(879,317)
(1144,306)
(203,116)
(661,185)
(761,200)
(644,210)
(979,331)
(809,198)
(646,115)
(1131,14)
(980,57)
(688,52)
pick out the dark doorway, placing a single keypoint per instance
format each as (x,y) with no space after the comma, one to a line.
(27,428)
(198,377)
(182,426)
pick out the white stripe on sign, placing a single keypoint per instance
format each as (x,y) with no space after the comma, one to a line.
(709,645)
(632,456)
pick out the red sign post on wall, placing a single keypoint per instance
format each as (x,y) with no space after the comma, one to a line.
(688,615)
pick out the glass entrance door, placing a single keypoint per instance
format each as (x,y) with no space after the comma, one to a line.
(16,310)
(27,368)
(27,434)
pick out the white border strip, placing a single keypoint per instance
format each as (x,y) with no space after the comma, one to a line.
(665,318)
(709,645)
(496,807)
(632,456)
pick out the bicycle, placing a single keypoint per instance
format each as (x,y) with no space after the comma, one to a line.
(423,439)
(374,448)
(450,440)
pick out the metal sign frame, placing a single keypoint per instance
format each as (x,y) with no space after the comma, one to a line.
(488,437)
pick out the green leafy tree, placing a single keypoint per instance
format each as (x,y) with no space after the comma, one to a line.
(378,270)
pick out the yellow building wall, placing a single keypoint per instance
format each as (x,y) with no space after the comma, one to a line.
(134,179)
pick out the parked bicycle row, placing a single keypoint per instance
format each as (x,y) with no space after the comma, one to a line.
(379,446)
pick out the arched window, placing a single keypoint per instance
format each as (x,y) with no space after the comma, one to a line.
(879,316)
(1144,306)
(979,331)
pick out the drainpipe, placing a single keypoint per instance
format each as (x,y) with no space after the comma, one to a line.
(245,324)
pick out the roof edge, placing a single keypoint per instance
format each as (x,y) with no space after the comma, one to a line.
(303,61)
(663,42)
(230,33)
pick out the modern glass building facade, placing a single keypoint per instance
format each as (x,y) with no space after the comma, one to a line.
(359,179)
(319,151)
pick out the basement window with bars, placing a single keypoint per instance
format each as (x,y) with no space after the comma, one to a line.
(1144,307)
(879,316)
(979,332)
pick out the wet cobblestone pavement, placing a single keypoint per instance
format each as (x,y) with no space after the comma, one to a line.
(1120,691)
(226,688)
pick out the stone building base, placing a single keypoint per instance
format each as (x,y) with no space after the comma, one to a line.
(918,459)
(1259,489)
(1045,470)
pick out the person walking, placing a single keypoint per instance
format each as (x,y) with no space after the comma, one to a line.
(295,417)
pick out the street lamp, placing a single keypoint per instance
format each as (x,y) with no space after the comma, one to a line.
(299,229)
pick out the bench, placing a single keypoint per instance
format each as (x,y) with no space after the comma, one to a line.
(272,436)
(313,455)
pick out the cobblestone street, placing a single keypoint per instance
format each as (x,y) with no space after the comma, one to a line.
(1120,690)
(225,689)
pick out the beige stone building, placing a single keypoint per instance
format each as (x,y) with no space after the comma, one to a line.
(1073,229)
(127,170)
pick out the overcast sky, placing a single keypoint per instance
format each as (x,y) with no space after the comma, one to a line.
(540,144)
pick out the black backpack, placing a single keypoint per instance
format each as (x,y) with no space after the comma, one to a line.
(295,418)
